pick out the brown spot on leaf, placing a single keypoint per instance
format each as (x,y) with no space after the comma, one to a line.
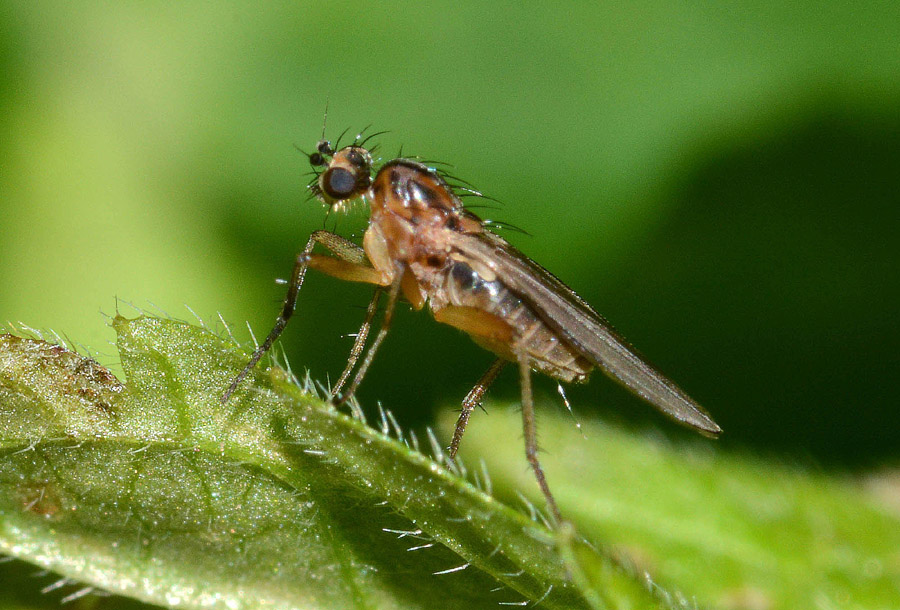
(40,499)
(96,385)
(65,373)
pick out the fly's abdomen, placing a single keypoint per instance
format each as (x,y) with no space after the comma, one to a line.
(546,351)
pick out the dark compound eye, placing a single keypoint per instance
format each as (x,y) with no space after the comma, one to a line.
(339,183)
(316,160)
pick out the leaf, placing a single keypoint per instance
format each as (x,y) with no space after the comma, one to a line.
(155,490)
(727,530)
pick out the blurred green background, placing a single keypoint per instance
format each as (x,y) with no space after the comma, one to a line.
(720,180)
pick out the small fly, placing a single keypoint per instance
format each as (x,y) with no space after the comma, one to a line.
(424,246)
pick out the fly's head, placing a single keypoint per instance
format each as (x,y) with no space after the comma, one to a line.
(342,175)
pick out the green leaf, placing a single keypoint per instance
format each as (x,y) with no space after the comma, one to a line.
(727,530)
(155,490)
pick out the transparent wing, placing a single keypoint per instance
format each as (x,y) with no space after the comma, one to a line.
(586,330)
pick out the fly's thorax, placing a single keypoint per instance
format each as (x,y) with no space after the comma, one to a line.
(414,209)
(420,196)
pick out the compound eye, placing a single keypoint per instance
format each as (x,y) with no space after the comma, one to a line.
(317,160)
(339,183)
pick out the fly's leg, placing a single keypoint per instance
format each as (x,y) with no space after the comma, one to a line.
(393,295)
(472,400)
(531,446)
(349,263)
(359,343)
(478,323)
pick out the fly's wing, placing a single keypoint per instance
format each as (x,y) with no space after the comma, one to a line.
(586,330)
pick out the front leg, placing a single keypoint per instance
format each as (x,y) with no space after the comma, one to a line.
(348,263)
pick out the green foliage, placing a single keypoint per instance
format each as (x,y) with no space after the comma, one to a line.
(718,179)
(733,530)
(725,173)
(155,490)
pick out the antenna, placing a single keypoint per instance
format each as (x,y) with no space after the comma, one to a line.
(325,119)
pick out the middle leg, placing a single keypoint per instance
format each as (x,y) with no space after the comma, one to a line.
(358,343)
(393,296)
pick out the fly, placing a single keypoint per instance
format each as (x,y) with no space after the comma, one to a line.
(424,246)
